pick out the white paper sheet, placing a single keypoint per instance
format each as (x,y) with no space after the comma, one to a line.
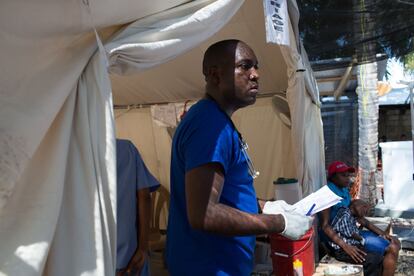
(322,198)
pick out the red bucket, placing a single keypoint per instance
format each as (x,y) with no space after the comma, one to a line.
(285,251)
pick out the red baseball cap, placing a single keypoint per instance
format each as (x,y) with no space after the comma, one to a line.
(338,166)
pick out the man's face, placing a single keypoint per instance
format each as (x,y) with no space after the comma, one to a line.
(342,179)
(240,80)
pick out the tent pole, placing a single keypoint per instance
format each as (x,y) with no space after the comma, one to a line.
(412,117)
(410,85)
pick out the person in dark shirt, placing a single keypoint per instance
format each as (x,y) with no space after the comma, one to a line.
(134,184)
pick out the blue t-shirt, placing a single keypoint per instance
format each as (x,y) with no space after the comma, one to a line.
(132,175)
(345,202)
(206,135)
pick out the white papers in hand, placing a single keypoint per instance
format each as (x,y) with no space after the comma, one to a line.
(322,198)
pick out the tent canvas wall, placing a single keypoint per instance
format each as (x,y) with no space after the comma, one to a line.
(269,140)
(57,163)
(187,83)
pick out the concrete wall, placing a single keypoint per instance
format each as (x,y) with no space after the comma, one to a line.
(394,121)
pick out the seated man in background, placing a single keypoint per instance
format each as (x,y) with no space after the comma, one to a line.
(134,184)
(350,249)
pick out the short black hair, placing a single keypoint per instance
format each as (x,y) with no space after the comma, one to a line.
(217,53)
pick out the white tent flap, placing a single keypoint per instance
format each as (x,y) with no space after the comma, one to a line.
(156,40)
(57,154)
(307,133)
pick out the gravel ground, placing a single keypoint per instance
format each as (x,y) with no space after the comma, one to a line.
(405,263)
(404,229)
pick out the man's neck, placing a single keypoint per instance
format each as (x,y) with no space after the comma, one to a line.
(226,108)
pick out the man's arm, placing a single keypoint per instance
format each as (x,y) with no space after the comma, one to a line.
(367,224)
(203,186)
(356,236)
(143,218)
(370,226)
(356,254)
(328,230)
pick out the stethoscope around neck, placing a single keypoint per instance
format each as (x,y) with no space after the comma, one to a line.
(243,145)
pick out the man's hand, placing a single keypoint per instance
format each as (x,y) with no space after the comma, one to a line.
(356,254)
(135,265)
(276,207)
(296,225)
(389,237)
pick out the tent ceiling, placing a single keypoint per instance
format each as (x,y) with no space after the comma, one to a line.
(71,17)
(181,78)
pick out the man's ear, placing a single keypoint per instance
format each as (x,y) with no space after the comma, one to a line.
(213,75)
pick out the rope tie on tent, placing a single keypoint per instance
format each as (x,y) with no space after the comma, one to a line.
(123,113)
(101,48)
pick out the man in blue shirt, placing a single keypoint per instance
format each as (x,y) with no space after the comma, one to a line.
(213,217)
(134,184)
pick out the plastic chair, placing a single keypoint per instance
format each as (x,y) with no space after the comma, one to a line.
(160,201)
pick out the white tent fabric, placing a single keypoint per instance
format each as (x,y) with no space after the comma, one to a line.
(45,46)
(65,198)
(86,222)
(57,180)
(180,79)
(303,98)
(157,39)
(57,171)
